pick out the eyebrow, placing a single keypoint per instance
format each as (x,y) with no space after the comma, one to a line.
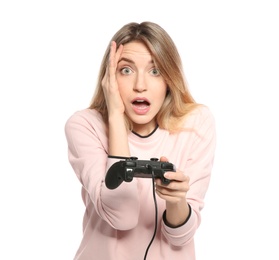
(126,59)
(131,61)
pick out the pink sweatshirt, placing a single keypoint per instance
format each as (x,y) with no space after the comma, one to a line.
(119,224)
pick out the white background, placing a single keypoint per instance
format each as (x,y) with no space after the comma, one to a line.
(50,53)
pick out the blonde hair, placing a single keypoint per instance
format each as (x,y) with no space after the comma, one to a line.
(179,101)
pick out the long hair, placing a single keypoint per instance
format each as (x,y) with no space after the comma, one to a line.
(179,101)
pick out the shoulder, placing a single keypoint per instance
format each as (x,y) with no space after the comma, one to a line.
(200,122)
(199,116)
(85,118)
(85,115)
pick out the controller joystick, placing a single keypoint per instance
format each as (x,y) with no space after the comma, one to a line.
(126,170)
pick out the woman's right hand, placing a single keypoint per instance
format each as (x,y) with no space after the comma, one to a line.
(118,140)
(109,83)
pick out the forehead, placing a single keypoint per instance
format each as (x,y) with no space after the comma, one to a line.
(136,50)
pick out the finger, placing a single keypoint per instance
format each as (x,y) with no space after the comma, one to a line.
(105,78)
(112,54)
(118,54)
(163,159)
(171,193)
(172,186)
(113,61)
(171,197)
(110,63)
(176,176)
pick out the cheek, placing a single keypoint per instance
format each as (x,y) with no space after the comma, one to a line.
(162,94)
(160,98)
(124,85)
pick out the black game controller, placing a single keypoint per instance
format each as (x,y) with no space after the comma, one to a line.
(125,170)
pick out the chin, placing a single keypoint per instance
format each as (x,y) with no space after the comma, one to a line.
(143,121)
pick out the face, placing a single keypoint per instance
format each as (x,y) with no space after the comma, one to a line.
(142,88)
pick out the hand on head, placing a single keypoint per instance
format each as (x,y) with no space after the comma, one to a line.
(109,82)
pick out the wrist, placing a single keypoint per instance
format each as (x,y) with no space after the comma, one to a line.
(171,225)
(118,136)
(176,213)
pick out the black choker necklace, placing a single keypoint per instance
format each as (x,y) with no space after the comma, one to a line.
(145,136)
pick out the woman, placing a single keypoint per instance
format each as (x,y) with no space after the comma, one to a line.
(142,107)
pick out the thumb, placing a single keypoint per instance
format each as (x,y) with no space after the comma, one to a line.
(163,159)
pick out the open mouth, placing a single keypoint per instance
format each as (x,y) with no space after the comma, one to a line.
(141,106)
(141,103)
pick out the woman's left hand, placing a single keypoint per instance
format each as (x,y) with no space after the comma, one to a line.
(176,190)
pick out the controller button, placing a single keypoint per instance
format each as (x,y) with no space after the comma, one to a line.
(130,164)
(154,159)
(165,166)
(133,158)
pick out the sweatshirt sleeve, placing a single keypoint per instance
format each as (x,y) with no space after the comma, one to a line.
(199,162)
(87,153)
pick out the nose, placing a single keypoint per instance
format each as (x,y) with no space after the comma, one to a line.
(139,85)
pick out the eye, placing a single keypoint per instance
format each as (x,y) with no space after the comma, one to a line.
(155,72)
(126,71)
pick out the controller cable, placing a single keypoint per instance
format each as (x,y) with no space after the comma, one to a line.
(156,209)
